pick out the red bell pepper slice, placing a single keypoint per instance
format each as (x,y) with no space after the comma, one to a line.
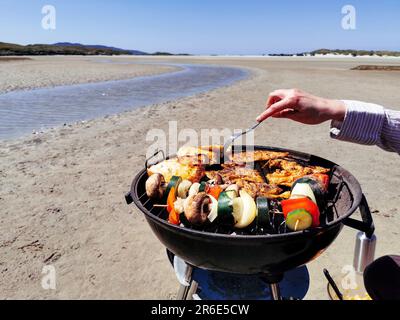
(215,191)
(301,203)
(173,216)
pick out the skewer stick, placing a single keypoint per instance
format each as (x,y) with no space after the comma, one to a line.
(296,225)
(160,205)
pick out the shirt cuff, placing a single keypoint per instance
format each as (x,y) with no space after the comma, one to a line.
(362,123)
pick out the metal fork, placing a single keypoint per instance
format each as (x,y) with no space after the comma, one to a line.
(237,135)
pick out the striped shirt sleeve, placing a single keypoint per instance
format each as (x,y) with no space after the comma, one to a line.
(369,124)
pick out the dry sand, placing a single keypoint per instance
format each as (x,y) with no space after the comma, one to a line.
(61,193)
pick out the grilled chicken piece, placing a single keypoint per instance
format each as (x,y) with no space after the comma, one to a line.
(287,172)
(232,174)
(257,155)
(260,189)
(209,154)
(172,167)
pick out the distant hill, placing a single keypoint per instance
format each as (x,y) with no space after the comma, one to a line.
(10,49)
(69,44)
(69,48)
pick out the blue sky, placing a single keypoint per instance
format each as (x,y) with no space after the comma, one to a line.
(206,26)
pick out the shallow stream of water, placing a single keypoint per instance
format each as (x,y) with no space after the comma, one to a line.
(22,112)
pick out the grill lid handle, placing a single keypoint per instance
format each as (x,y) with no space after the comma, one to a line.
(146,164)
(367,224)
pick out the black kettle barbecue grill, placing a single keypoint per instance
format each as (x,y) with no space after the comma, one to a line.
(270,255)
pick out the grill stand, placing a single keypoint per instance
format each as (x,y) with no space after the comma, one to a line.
(364,252)
(188,287)
(183,272)
(275,291)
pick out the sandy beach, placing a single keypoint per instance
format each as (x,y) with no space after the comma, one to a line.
(45,71)
(62,192)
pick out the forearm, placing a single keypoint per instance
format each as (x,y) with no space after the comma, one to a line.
(368,124)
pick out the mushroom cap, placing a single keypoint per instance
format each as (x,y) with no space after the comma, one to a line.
(154,185)
(198,208)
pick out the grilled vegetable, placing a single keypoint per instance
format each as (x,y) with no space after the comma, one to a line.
(291,205)
(155,187)
(179,206)
(301,190)
(194,189)
(173,183)
(299,219)
(183,189)
(310,187)
(244,210)
(225,204)
(215,191)
(214,209)
(203,187)
(322,179)
(233,188)
(173,216)
(263,218)
(197,208)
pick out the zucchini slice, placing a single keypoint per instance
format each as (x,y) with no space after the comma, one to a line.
(173,183)
(225,205)
(263,217)
(298,220)
(203,187)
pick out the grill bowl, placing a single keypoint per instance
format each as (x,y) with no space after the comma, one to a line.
(252,254)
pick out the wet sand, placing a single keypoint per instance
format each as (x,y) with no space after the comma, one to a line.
(61,192)
(43,71)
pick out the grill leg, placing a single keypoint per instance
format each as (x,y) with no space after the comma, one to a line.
(182,292)
(183,272)
(275,291)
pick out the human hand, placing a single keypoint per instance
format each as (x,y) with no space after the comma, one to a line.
(302,107)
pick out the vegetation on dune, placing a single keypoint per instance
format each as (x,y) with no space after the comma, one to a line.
(356,53)
(349,52)
(9,49)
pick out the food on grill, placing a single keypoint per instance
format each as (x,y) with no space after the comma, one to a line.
(172,167)
(174,182)
(173,216)
(197,208)
(244,210)
(208,154)
(225,206)
(257,155)
(233,188)
(310,187)
(263,212)
(286,172)
(233,173)
(183,189)
(155,186)
(305,204)
(263,190)
(299,219)
(235,194)
(214,191)
(194,189)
